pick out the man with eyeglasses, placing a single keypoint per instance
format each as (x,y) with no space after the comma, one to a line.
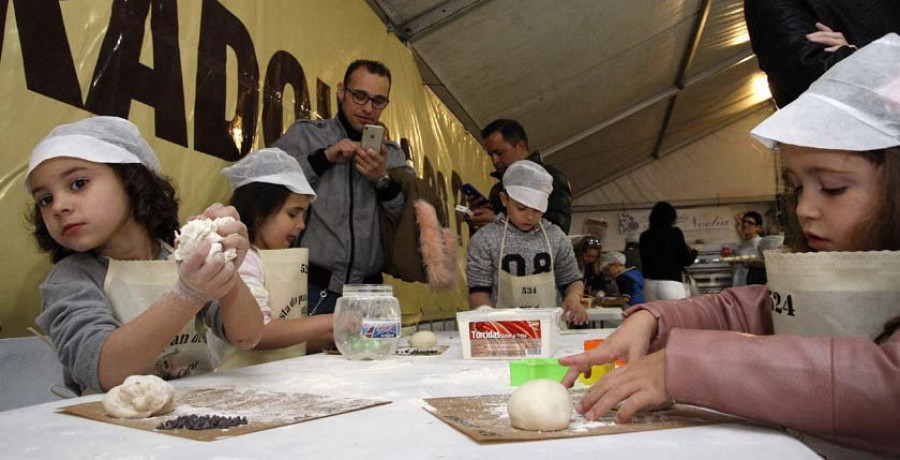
(749,225)
(506,143)
(352,184)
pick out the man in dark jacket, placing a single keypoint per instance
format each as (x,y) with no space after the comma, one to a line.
(794,52)
(506,143)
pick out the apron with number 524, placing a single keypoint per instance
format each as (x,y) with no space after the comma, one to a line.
(833,294)
(285,272)
(132,286)
(531,291)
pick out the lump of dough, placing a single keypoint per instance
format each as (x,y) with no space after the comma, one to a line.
(540,405)
(484,307)
(196,232)
(140,396)
(422,340)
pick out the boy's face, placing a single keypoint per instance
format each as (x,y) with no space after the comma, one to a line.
(523,217)
(837,193)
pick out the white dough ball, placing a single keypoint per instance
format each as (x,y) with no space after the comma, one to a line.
(423,339)
(484,307)
(140,396)
(540,405)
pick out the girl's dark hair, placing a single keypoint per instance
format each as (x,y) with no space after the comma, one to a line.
(256,202)
(662,215)
(881,230)
(153,202)
(890,328)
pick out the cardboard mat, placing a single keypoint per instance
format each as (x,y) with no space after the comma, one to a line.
(263,410)
(485,419)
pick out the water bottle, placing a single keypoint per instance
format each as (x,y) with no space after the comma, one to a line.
(367,321)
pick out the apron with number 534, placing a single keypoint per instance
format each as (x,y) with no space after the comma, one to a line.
(833,294)
(132,286)
(531,291)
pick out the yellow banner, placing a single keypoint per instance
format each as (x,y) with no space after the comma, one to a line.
(206,81)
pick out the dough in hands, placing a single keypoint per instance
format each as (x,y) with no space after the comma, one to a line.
(196,232)
(140,396)
(540,405)
(422,340)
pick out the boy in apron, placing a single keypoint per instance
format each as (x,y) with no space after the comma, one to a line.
(817,349)
(521,260)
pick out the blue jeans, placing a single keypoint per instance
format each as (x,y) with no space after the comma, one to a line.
(319,305)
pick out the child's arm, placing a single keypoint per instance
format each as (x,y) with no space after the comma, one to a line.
(479,298)
(573,304)
(317,331)
(133,347)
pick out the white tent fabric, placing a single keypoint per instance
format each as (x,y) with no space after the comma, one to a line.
(603,87)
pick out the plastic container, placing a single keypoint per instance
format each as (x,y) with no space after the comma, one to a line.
(597,371)
(525,370)
(509,333)
(367,321)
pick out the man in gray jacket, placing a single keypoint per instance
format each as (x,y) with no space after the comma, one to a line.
(352,185)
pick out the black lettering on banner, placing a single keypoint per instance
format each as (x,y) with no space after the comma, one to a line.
(213,135)
(442,190)
(283,70)
(49,67)
(119,76)
(323,100)
(507,261)
(542,263)
(456,184)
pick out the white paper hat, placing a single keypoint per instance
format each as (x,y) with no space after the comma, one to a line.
(610,257)
(528,183)
(854,106)
(270,166)
(95,139)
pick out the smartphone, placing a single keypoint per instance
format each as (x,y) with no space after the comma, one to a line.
(475,197)
(372,137)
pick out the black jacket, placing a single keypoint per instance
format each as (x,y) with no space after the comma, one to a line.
(778,31)
(559,206)
(664,254)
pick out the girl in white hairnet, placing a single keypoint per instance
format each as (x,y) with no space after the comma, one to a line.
(271,194)
(101,209)
(819,349)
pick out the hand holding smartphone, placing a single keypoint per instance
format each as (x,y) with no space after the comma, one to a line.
(476,198)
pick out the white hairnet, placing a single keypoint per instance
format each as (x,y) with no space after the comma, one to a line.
(528,183)
(270,166)
(95,139)
(612,257)
(854,106)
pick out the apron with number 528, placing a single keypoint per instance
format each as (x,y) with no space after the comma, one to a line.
(833,294)
(530,291)
(132,286)
(285,272)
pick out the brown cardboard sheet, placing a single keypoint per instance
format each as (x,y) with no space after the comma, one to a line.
(263,409)
(484,419)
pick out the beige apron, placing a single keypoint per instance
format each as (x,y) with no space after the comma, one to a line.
(833,294)
(285,278)
(132,286)
(531,291)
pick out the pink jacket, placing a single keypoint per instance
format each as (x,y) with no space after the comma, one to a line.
(845,390)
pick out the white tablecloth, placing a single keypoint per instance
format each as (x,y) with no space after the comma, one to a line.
(401,430)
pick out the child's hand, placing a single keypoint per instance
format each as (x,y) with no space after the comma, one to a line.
(640,384)
(575,308)
(234,234)
(630,341)
(203,279)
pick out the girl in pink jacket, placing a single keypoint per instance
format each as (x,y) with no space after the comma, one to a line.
(840,145)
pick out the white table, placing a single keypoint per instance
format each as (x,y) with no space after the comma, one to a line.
(401,430)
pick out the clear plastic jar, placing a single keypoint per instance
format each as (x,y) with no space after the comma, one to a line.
(367,321)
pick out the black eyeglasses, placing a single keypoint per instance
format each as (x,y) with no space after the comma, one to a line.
(360,97)
(590,242)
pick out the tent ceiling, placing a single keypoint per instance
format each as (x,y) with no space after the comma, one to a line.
(601,86)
